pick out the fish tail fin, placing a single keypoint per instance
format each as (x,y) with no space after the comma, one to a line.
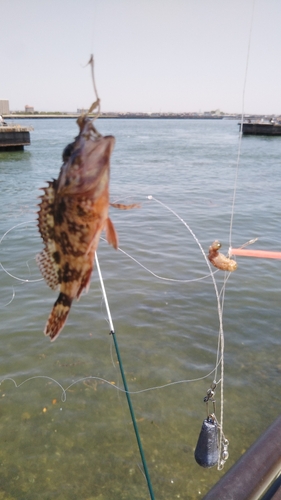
(58,316)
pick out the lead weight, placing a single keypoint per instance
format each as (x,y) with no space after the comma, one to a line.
(207,448)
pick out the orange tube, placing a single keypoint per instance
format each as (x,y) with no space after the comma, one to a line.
(263,254)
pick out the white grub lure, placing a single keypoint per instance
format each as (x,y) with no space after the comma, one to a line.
(219,260)
(72,214)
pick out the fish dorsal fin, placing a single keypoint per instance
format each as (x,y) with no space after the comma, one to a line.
(48,269)
(111,234)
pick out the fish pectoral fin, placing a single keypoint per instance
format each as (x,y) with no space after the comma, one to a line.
(111,234)
(121,206)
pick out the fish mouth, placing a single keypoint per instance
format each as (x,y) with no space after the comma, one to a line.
(87,166)
(97,161)
(102,149)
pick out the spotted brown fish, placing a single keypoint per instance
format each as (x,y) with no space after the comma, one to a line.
(72,214)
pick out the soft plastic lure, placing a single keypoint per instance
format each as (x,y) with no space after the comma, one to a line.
(219,260)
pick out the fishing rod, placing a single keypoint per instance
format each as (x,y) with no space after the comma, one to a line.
(113,333)
(262,254)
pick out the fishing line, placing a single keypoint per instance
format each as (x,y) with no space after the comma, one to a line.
(220,347)
(150,197)
(219,295)
(223,443)
(163,278)
(11,300)
(220,301)
(63,396)
(241,126)
(4,269)
(94,25)
(105,381)
(221,337)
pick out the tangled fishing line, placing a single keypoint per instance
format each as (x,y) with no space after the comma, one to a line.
(210,274)
(219,298)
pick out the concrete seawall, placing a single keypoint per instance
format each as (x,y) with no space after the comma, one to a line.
(14,138)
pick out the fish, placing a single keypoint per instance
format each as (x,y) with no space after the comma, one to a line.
(72,214)
(219,260)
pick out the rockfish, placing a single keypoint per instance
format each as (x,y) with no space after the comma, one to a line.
(72,214)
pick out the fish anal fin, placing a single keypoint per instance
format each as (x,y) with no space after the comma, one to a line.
(85,283)
(58,316)
(111,234)
(48,269)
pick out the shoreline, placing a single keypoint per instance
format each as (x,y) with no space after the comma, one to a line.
(139,116)
(117,116)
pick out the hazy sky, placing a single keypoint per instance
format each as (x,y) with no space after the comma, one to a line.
(151,55)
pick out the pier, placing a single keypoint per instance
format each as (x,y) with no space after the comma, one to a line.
(14,137)
(260,128)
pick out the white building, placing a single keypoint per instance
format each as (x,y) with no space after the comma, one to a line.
(29,109)
(4,107)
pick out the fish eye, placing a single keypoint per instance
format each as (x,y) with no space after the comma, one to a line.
(67,152)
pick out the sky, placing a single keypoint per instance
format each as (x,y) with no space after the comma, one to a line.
(150,55)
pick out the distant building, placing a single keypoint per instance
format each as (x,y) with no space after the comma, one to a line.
(217,112)
(29,109)
(4,107)
(82,111)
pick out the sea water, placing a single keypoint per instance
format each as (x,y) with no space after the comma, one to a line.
(65,428)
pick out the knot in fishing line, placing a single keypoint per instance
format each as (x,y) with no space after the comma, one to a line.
(210,395)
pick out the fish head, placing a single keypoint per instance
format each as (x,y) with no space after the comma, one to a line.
(87,164)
